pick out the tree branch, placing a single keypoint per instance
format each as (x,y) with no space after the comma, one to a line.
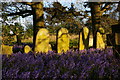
(107,5)
(26,15)
(20,13)
(27,3)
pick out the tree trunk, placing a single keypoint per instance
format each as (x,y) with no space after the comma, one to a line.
(18,39)
(119,11)
(96,15)
(38,21)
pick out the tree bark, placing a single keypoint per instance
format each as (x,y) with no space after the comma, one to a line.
(38,21)
(119,11)
(96,16)
(18,39)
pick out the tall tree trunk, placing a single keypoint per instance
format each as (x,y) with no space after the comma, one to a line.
(96,15)
(119,11)
(38,21)
(18,39)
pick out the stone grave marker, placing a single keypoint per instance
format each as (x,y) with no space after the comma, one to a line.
(42,41)
(101,38)
(110,40)
(81,45)
(100,41)
(84,39)
(62,40)
(91,40)
(116,37)
(27,49)
(7,49)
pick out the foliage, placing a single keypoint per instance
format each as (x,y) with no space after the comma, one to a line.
(106,23)
(9,31)
(98,9)
(73,27)
(59,16)
(74,43)
(6,36)
(86,64)
(29,31)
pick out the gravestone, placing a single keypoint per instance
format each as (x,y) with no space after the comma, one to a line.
(101,37)
(42,41)
(81,45)
(84,39)
(116,37)
(100,41)
(91,40)
(27,49)
(62,40)
(110,40)
(7,49)
(50,47)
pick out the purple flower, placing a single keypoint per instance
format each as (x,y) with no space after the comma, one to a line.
(73,64)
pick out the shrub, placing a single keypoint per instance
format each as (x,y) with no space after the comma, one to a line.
(85,64)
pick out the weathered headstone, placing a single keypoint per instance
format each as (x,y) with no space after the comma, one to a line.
(50,47)
(101,38)
(116,37)
(85,32)
(7,49)
(27,49)
(84,39)
(90,40)
(42,41)
(100,41)
(110,40)
(62,40)
(81,45)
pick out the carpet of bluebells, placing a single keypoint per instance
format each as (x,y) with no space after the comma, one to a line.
(91,64)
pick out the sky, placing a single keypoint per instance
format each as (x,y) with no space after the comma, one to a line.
(26,20)
(58,0)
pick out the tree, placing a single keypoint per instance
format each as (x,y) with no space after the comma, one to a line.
(18,31)
(28,31)
(97,11)
(35,9)
(118,9)
(9,31)
(63,17)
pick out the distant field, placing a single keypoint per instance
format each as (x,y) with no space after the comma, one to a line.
(52,38)
(29,40)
